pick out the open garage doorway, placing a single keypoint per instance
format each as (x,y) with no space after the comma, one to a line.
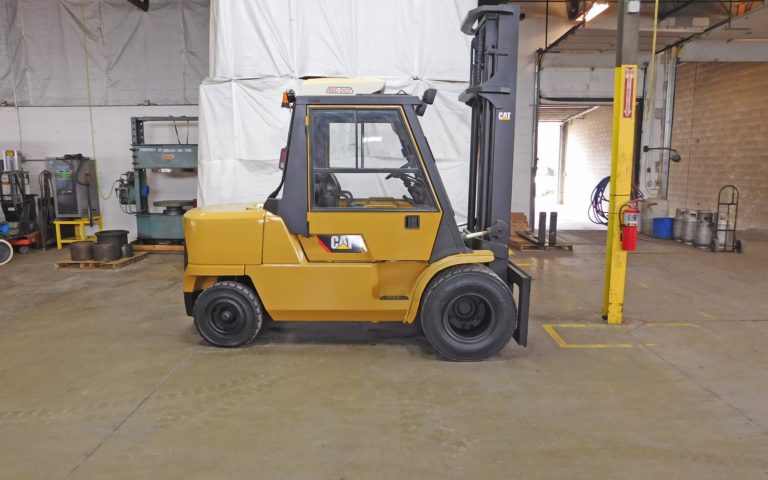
(574,154)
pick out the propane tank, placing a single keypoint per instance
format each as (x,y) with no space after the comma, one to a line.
(629,222)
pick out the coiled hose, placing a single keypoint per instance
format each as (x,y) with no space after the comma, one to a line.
(598,207)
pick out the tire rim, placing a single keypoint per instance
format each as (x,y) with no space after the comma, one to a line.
(6,252)
(226,316)
(469,317)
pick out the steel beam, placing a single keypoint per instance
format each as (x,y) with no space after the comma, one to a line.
(624,114)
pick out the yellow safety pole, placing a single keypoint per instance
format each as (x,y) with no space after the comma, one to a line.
(624,105)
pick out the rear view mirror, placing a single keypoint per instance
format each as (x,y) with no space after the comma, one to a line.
(429,96)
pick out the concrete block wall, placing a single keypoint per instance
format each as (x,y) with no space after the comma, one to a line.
(721,130)
(587,154)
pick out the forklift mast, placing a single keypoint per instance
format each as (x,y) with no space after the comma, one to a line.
(491,95)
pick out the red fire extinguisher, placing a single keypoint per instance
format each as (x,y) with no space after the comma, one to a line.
(629,216)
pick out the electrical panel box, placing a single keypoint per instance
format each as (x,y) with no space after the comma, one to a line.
(11,161)
(75,189)
(14,185)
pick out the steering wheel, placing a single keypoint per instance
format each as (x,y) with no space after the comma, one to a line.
(346,195)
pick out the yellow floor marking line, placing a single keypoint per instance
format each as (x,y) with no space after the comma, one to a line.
(706,314)
(560,341)
(672,325)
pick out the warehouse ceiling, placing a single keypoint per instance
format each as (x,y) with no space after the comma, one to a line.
(679,20)
(753,26)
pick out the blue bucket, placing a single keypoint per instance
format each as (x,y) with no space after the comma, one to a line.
(4,228)
(663,227)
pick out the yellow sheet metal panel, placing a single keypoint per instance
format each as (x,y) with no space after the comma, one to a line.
(194,283)
(224,235)
(477,256)
(324,292)
(398,279)
(384,233)
(280,247)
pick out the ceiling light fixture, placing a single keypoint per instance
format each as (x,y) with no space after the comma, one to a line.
(596,9)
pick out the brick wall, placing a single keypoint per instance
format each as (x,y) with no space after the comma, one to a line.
(721,130)
(587,155)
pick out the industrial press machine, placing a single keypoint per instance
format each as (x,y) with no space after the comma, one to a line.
(133,190)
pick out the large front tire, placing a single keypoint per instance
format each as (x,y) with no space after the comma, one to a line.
(468,313)
(228,314)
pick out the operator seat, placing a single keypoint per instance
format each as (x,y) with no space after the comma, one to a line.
(327,190)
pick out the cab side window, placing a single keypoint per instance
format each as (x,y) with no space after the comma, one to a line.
(365,159)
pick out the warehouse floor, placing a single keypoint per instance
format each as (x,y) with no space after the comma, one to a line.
(103,376)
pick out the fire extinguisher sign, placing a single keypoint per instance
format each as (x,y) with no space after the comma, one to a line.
(630,73)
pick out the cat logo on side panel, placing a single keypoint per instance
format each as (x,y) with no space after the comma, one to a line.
(342,243)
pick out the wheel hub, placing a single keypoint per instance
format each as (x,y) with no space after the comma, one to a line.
(468,316)
(226,317)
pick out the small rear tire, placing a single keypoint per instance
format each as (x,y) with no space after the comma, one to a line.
(468,313)
(6,252)
(228,314)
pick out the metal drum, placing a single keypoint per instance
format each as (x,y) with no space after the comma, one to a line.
(118,237)
(677,226)
(704,215)
(81,251)
(689,227)
(703,236)
(126,250)
(106,252)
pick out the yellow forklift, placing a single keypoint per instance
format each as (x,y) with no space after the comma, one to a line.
(361,228)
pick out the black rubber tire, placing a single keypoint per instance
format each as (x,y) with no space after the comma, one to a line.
(228,305)
(478,289)
(6,252)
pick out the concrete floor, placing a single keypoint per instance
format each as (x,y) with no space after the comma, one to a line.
(103,376)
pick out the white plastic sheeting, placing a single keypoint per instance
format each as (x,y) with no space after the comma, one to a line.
(160,55)
(259,49)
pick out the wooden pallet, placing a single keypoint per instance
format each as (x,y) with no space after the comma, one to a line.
(527,241)
(520,244)
(97,265)
(137,247)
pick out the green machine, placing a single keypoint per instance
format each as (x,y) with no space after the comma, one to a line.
(133,191)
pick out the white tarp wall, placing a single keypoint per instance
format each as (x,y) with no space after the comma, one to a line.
(160,55)
(259,49)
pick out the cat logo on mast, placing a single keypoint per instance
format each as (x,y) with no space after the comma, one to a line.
(342,243)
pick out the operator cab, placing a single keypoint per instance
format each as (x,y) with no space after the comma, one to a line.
(364,153)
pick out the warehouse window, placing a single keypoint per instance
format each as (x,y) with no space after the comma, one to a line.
(364,158)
